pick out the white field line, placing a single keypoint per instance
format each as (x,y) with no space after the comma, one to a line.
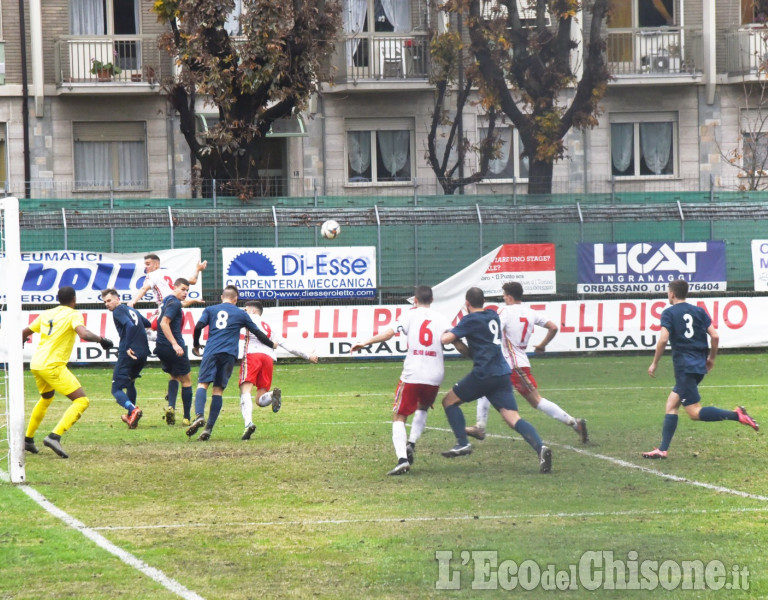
(103,543)
(629,465)
(454,518)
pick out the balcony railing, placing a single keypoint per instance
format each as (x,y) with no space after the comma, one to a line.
(380,57)
(747,51)
(137,58)
(664,51)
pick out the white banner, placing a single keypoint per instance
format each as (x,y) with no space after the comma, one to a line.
(760,264)
(301,273)
(44,272)
(592,325)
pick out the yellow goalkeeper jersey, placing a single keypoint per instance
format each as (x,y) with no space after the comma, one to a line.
(56,327)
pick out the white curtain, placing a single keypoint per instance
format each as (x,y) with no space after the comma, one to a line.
(398,13)
(92,164)
(656,145)
(86,17)
(394,150)
(132,165)
(355,12)
(358,152)
(232,24)
(621,145)
(496,166)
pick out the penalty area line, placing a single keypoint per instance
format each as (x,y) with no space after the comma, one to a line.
(642,469)
(154,574)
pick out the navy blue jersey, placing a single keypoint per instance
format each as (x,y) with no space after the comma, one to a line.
(687,325)
(131,326)
(225,321)
(482,330)
(172,309)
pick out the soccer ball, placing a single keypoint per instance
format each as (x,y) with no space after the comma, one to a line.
(330,229)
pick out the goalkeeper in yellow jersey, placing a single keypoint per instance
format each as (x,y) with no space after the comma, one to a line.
(57,328)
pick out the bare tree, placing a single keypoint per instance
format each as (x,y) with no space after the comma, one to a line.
(453,80)
(524,67)
(254,67)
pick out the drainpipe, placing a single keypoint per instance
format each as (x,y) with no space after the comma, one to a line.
(24,98)
(36,45)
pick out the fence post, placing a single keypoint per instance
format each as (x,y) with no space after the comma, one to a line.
(378,249)
(66,233)
(111,208)
(415,240)
(480,221)
(514,203)
(682,221)
(581,222)
(170,223)
(215,245)
(213,192)
(711,200)
(613,189)
(277,236)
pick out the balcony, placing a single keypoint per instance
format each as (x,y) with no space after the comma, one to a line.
(747,53)
(140,64)
(391,59)
(653,55)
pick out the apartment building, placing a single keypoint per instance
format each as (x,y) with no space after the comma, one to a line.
(96,120)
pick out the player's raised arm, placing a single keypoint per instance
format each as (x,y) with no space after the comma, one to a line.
(140,294)
(385,335)
(89,336)
(201,266)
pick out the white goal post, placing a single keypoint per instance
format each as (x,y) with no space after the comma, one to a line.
(11,347)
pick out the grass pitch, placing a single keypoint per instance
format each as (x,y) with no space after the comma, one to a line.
(305,508)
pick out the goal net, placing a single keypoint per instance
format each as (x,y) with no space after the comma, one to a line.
(11,359)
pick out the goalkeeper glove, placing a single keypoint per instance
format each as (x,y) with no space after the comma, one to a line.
(106,343)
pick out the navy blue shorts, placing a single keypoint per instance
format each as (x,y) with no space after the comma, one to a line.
(687,387)
(175,366)
(127,369)
(498,389)
(216,369)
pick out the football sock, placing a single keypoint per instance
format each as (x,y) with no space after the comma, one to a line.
(712,413)
(417,426)
(529,434)
(201,395)
(398,438)
(71,415)
(216,403)
(122,399)
(265,399)
(186,401)
(456,419)
(173,391)
(131,392)
(246,408)
(554,411)
(37,415)
(483,404)
(667,431)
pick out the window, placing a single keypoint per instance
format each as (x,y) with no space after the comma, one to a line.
(492,9)
(754,11)
(754,142)
(508,164)
(643,145)
(110,155)
(108,17)
(379,155)
(641,13)
(376,15)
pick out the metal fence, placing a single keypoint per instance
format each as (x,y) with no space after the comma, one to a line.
(418,241)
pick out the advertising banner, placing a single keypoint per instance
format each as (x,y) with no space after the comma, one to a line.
(591,325)
(760,264)
(647,267)
(44,272)
(533,265)
(301,273)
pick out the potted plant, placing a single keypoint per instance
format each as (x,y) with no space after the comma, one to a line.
(104,71)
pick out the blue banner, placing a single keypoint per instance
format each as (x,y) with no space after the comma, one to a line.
(648,267)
